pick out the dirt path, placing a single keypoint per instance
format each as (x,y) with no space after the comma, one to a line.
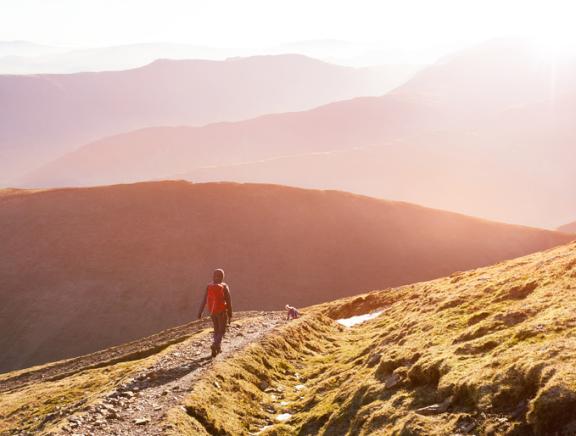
(138,406)
(134,350)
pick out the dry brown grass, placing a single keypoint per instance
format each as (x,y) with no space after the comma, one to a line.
(41,405)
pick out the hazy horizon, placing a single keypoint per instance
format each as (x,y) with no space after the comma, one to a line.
(413,31)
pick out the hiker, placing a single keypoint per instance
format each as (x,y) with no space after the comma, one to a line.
(217,301)
(292,313)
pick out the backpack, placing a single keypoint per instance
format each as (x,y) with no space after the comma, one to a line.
(216,302)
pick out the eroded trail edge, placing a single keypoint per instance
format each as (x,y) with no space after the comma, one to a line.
(141,401)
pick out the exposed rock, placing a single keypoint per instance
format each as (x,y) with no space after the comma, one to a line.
(520,410)
(374,359)
(392,381)
(436,409)
(512,318)
(465,424)
(141,421)
(522,291)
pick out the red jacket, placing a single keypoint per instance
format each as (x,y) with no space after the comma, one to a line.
(217,299)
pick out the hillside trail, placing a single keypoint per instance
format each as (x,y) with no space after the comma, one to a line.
(139,405)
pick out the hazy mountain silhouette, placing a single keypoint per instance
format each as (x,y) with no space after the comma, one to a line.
(44,116)
(27,58)
(87,268)
(516,167)
(485,131)
(568,228)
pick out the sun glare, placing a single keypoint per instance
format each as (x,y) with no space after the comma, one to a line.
(555,47)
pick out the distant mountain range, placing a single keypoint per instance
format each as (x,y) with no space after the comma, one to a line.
(487,131)
(83,269)
(44,116)
(21,57)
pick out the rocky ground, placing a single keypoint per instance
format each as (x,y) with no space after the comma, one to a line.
(139,404)
(134,350)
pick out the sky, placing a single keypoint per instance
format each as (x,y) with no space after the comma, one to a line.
(422,27)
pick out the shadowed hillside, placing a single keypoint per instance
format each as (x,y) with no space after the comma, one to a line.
(83,269)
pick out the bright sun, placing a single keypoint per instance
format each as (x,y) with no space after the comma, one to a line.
(555,46)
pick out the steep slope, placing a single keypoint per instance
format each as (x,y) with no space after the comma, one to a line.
(506,107)
(568,228)
(44,116)
(107,383)
(489,351)
(83,269)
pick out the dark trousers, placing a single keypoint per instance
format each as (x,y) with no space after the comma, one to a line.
(219,320)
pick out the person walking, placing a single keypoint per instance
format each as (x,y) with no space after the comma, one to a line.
(219,304)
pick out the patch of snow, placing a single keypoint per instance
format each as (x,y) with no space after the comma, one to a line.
(358,319)
(283,417)
(299,387)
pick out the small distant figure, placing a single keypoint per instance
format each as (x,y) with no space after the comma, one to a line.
(292,313)
(218,302)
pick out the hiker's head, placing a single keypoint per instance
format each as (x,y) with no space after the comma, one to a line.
(218,275)
(287,307)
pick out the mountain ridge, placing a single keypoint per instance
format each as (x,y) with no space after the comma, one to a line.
(169,236)
(48,115)
(495,102)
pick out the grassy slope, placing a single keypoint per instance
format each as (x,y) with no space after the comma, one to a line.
(491,349)
(38,398)
(38,406)
(41,406)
